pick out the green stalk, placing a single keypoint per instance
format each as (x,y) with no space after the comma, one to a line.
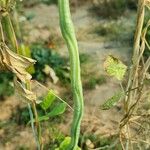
(9,30)
(133,74)
(37,123)
(23,48)
(32,126)
(68,33)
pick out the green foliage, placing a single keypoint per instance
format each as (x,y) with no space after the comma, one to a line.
(50,108)
(31,3)
(55,111)
(6,87)
(114,31)
(65,144)
(46,109)
(93,81)
(46,56)
(55,138)
(132,4)
(48,100)
(21,117)
(114,67)
(113,8)
(84,58)
(29,15)
(112,101)
(48,2)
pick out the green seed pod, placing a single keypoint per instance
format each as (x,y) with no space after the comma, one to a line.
(68,33)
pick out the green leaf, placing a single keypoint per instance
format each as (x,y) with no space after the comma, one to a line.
(112,101)
(57,110)
(64,145)
(48,100)
(43,118)
(114,67)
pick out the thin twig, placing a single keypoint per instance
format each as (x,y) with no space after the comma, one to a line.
(32,126)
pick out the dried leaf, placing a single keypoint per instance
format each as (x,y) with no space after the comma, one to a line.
(114,67)
(147,3)
(15,63)
(36,87)
(24,94)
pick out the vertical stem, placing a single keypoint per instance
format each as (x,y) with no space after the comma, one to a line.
(38,126)
(68,33)
(132,97)
(8,27)
(16,24)
(133,75)
(37,123)
(1,33)
(32,126)
(139,26)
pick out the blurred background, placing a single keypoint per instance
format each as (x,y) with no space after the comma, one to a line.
(103,27)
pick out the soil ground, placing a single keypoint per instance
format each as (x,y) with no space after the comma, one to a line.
(45,24)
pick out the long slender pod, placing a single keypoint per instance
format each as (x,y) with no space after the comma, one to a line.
(68,33)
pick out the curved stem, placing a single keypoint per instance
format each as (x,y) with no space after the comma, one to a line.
(68,33)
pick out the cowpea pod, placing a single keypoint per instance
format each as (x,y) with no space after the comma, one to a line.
(69,36)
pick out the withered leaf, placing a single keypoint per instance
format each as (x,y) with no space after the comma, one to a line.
(114,67)
(147,3)
(25,95)
(15,63)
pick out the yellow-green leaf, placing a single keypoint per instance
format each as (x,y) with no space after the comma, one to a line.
(65,144)
(114,67)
